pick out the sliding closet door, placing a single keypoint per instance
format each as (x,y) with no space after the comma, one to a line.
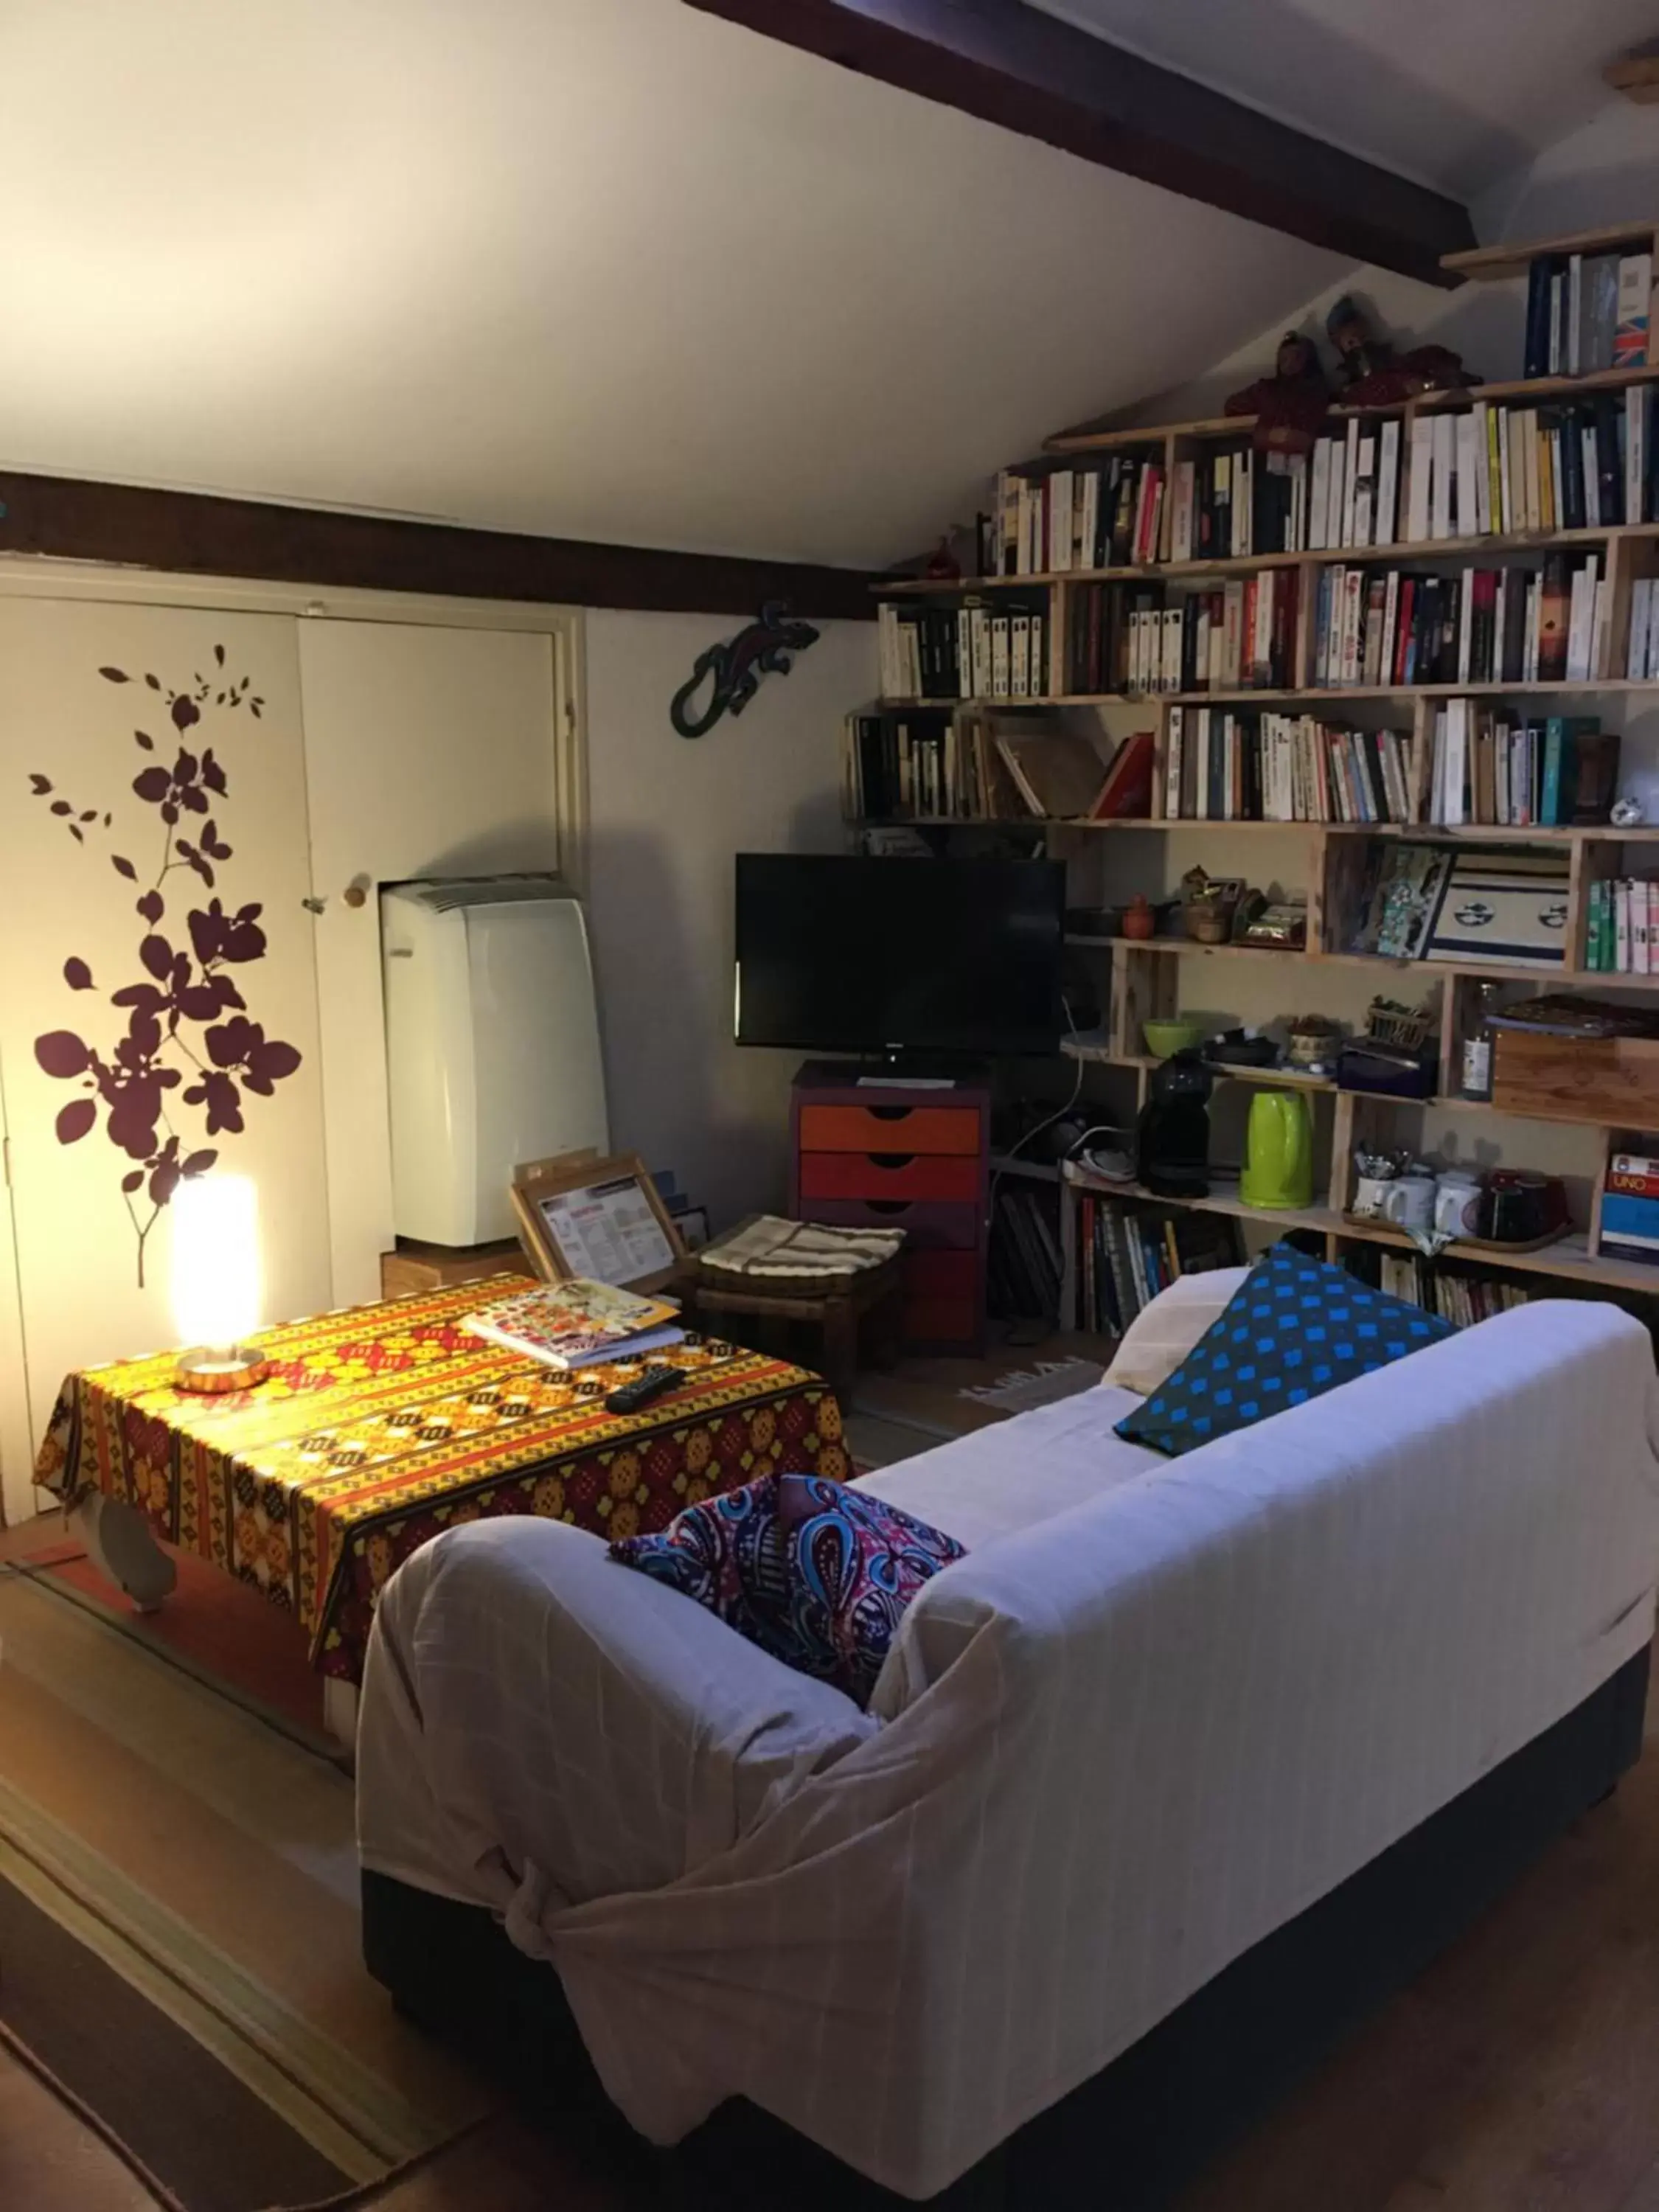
(429,751)
(158,1012)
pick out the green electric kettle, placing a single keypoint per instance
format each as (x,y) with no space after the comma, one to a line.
(1278,1152)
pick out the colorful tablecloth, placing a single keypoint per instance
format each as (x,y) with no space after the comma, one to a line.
(382,1426)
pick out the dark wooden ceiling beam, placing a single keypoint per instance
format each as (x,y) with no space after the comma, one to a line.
(1011,64)
(192,533)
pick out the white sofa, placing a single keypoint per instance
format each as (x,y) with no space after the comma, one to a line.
(1158,1709)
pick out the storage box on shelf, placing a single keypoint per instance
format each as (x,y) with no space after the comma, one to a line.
(890,1156)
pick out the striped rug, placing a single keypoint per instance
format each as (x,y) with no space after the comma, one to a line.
(178,1905)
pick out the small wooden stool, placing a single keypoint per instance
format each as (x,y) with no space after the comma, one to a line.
(837,1307)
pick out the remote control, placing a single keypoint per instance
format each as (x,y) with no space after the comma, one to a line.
(651,1382)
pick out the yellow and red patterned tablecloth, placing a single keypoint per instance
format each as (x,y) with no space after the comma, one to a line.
(382,1427)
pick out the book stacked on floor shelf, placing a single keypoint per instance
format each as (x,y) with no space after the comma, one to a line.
(1223,765)
(1127,1254)
(1491,767)
(1023,1260)
(1397,627)
(1459,1298)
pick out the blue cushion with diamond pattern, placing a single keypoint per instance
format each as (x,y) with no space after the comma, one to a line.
(1294,1329)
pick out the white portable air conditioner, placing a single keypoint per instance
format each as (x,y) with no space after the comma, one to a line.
(492,1047)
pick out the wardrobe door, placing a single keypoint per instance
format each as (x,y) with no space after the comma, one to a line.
(429,751)
(158,1008)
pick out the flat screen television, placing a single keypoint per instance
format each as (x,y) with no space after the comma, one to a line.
(927,957)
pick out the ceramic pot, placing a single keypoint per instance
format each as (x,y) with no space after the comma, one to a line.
(1139,919)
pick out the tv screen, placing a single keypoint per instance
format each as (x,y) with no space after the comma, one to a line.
(874,956)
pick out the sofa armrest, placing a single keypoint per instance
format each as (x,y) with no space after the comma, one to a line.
(528,1704)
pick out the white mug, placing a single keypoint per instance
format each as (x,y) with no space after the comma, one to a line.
(1455,1198)
(1410,1202)
(1370,1194)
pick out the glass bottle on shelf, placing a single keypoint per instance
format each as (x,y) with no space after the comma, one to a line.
(1477,1044)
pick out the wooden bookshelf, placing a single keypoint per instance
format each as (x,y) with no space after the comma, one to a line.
(1145,975)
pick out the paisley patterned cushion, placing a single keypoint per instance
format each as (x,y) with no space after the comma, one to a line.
(815,1573)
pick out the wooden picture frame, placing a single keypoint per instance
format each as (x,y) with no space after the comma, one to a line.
(556,1248)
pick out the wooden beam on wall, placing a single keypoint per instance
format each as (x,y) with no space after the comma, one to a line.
(1011,64)
(192,533)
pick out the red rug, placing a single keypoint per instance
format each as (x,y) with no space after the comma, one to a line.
(215,1627)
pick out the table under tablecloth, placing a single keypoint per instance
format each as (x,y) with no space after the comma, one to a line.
(380,1426)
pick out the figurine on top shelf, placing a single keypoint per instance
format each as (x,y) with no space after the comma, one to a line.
(1289,404)
(1373,376)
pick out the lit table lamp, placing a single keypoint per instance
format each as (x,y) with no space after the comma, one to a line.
(217,1286)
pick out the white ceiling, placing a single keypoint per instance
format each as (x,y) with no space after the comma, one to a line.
(614,269)
(1454,92)
(606,269)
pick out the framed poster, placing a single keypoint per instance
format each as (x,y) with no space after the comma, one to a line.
(604,1219)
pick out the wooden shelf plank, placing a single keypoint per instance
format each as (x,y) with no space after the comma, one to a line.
(1265,697)
(1226,426)
(1568,1260)
(1487,263)
(1183,947)
(1415,548)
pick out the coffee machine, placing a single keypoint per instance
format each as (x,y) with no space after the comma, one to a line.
(1172,1137)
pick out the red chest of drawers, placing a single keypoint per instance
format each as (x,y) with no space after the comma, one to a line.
(893,1156)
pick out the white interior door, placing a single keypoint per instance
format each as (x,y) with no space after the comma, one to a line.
(158,1012)
(429,751)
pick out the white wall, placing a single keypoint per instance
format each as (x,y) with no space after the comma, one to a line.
(668,815)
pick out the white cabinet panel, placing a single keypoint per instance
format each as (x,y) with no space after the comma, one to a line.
(427,752)
(158,996)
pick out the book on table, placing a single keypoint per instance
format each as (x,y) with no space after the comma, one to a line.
(577,1323)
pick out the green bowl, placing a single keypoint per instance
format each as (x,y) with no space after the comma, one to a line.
(1163,1038)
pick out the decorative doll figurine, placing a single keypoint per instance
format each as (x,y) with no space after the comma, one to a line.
(1288,406)
(943,566)
(1374,375)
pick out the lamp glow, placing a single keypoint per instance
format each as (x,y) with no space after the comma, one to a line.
(217,1282)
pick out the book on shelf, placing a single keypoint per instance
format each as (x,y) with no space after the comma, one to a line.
(1459,1297)
(1621,935)
(1127,793)
(977,649)
(1490,766)
(1023,1259)
(1071,519)
(1587,312)
(1395,627)
(1506,469)
(1057,775)
(577,1323)
(1165,636)
(1128,1252)
(899,766)
(1228,765)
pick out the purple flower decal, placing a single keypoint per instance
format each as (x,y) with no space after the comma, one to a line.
(141,1079)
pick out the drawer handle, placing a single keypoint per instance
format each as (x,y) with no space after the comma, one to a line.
(889,1113)
(889,1205)
(891,1159)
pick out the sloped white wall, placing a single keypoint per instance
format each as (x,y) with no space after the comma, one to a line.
(668,814)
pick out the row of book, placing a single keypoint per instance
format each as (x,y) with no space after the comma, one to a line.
(976,651)
(1110,517)
(1587,312)
(1126,1254)
(1154,637)
(1459,1298)
(1642,648)
(1023,1261)
(1586,464)
(893,769)
(1489,768)
(1222,766)
(1397,627)
(1621,936)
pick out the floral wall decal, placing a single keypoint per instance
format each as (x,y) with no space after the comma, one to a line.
(189,1040)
